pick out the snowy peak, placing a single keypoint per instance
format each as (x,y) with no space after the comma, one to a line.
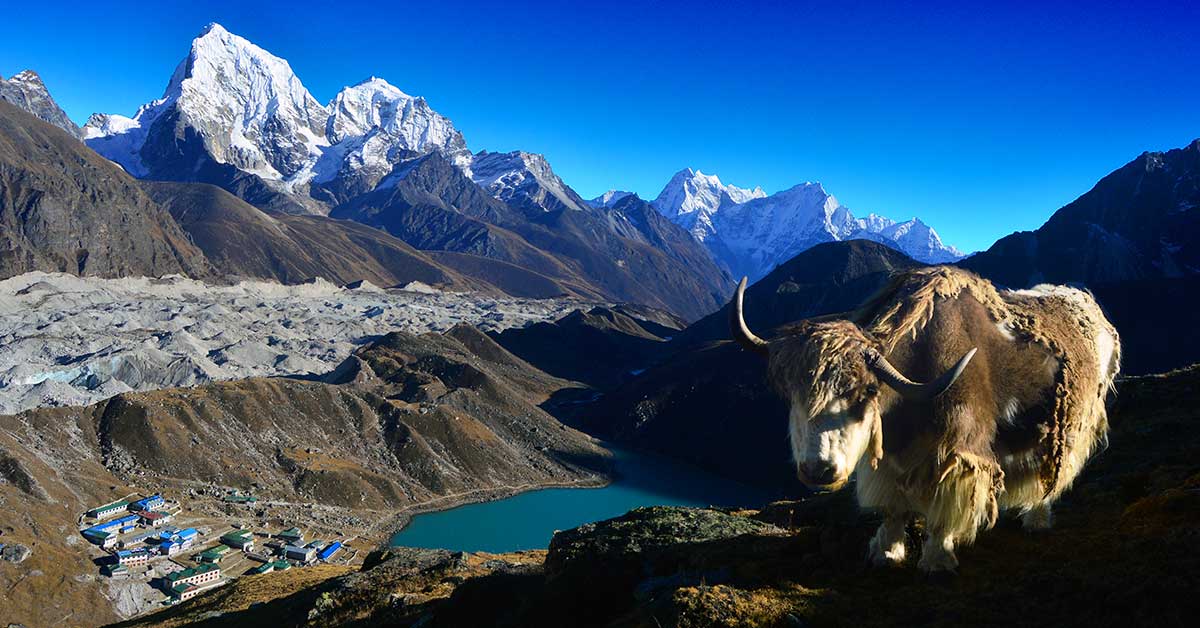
(525,180)
(875,223)
(690,191)
(752,232)
(376,107)
(105,124)
(359,108)
(609,199)
(251,111)
(920,242)
(27,91)
(691,198)
(247,105)
(259,116)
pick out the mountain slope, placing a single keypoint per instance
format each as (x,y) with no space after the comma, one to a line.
(618,245)
(525,181)
(1140,222)
(431,204)
(828,278)
(64,208)
(27,91)
(1122,552)
(624,255)
(242,241)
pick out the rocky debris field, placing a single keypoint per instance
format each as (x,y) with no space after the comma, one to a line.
(71,341)
(1125,551)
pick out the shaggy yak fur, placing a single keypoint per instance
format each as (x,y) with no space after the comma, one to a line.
(1012,432)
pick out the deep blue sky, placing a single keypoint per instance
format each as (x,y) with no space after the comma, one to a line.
(980,119)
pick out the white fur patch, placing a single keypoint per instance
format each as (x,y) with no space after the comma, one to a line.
(1011,409)
(1105,348)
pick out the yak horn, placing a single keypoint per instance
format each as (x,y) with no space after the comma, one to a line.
(737,324)
(914,390)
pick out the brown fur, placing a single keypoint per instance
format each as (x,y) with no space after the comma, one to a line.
(1055,322)
(1027,412)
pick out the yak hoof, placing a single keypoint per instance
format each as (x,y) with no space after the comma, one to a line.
(937,559)
(891,556)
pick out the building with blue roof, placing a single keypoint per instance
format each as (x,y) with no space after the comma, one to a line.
(120,524)
(330,550)
(148,503)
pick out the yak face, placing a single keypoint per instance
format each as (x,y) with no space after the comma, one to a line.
(833,398)
(826,448)
(830,372)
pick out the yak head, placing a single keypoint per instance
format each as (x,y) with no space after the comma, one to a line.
(832,374)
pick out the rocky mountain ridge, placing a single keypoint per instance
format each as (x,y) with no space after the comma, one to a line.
(63,208)
(26,90)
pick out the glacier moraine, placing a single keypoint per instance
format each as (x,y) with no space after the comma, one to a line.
(67,340)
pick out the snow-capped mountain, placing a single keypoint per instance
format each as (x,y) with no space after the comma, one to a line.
(608,199)
(246,108)
(752,232)
(691,198)
(246,105)
(524,180)
(920,242)
(373,125)
(27,91)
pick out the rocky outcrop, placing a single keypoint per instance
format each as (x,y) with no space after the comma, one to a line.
(27,91)
(64,208)
(1124,551)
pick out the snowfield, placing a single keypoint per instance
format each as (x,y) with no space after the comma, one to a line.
(67,340)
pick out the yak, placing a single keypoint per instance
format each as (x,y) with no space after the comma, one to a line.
(947,399)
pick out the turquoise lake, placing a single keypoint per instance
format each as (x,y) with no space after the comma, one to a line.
(528,520)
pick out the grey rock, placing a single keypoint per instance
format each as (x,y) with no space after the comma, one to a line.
(15,553)
(27,91)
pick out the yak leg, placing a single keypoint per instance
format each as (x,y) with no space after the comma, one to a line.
(964,501)
(937,554)
(887,546)
(1038,518)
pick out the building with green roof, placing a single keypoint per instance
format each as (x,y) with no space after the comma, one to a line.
(214,554)
(109,509)
(194,575)
(241,539)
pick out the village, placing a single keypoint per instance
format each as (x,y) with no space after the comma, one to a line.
(151,541)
